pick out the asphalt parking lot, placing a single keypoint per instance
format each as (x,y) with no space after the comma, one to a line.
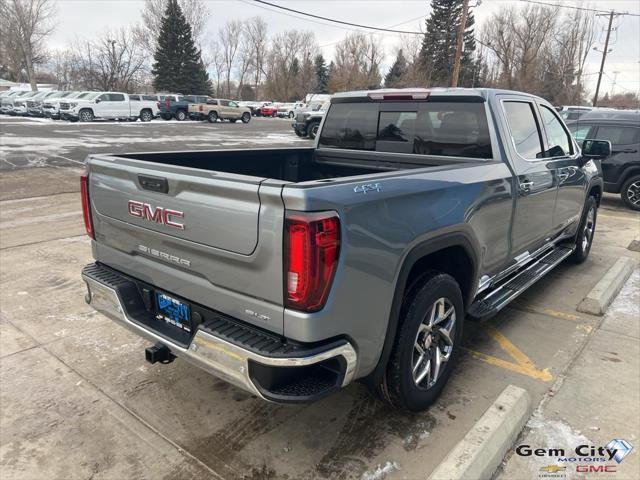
(79,401)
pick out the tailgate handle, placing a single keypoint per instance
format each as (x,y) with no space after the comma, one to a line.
(156,184)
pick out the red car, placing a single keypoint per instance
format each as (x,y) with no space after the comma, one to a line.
(269,111)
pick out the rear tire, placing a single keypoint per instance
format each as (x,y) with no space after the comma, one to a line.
(166,116)
(427,343)
(181,115)
(212,117)
(146,116)
(586,231)
(312,130)
(630,192)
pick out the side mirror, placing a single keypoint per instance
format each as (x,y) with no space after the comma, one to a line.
(596,149)
(98,100)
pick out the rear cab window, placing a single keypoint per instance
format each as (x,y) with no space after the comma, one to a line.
(434,127)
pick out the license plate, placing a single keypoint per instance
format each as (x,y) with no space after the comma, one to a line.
(173,311)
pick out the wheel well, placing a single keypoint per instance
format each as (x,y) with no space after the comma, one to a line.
(454,261)
(596,191)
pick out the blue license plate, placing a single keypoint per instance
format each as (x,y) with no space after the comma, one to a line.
(173,311)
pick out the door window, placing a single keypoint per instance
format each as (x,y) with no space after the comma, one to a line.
(557,137)
(224,103)
(618,135)
(525,131)
(103,98)
(580,132)
(233,104)
(116,97)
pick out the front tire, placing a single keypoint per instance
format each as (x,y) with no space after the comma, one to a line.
(212,117)
(181,115)
(246,117)
(630,192)
(85,115)
(427,343)
(586,231)
(312,129)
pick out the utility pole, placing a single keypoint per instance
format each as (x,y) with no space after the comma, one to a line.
(604,57)
(459,41)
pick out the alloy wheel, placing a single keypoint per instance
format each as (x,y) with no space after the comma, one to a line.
(633,193)
(433,345)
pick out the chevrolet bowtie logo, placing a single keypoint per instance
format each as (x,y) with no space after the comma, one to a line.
(552,469)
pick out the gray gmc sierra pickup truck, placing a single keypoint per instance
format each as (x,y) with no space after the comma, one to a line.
(293,272)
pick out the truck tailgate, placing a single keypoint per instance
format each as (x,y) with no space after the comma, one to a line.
(192,232)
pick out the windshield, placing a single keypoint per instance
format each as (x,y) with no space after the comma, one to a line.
(88,95)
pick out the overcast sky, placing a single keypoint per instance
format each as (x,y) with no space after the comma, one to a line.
(84,18)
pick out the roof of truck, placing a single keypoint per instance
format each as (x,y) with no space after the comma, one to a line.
(436,91)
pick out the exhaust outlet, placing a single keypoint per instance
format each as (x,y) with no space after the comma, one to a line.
(159,353)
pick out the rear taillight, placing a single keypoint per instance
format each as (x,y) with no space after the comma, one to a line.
(312,244)
(86,206)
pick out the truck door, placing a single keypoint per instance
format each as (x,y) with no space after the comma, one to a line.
(535,183)
(119,105)
(562,154)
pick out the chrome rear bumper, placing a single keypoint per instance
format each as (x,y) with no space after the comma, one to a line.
(211,353)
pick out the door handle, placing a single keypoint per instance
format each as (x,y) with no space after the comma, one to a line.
(527,185)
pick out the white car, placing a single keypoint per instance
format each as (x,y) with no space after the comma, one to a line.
(108,105)
(51,105)
(21,104)
(289,109)
(8,100)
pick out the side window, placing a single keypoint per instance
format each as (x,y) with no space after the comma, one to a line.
(225,103)
(134,97)
(524,129)
(103,98)
(233,104)
(580,132)
(116,97)
(557,137)
(618,135)
(350,126)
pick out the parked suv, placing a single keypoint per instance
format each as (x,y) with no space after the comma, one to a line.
(293,272)
(8,100)
(307,123)
(621,170)
(215,108)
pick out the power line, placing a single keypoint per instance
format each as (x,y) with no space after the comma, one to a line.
(319,17)
(578,8)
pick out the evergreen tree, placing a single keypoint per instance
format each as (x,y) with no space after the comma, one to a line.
(178,65)
(322,74)
(396,74)
(439,44)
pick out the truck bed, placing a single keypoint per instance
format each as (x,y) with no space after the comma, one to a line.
(289,164)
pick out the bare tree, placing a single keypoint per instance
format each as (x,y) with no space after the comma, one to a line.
(213,59)
(230,36)
(111,62)
(256,34)
(146,32)
(30,22)
(539,50)
(357,62)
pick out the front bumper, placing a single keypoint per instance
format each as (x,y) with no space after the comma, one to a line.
(257,361)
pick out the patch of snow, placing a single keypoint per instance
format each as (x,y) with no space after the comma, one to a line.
(628,300)
(381,471)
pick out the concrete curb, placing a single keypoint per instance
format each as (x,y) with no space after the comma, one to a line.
(480,452)
(601,296)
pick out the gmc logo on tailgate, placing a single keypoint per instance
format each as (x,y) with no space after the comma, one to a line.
(163,216)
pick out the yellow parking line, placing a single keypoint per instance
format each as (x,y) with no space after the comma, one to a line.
(522,364)
(550,312)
